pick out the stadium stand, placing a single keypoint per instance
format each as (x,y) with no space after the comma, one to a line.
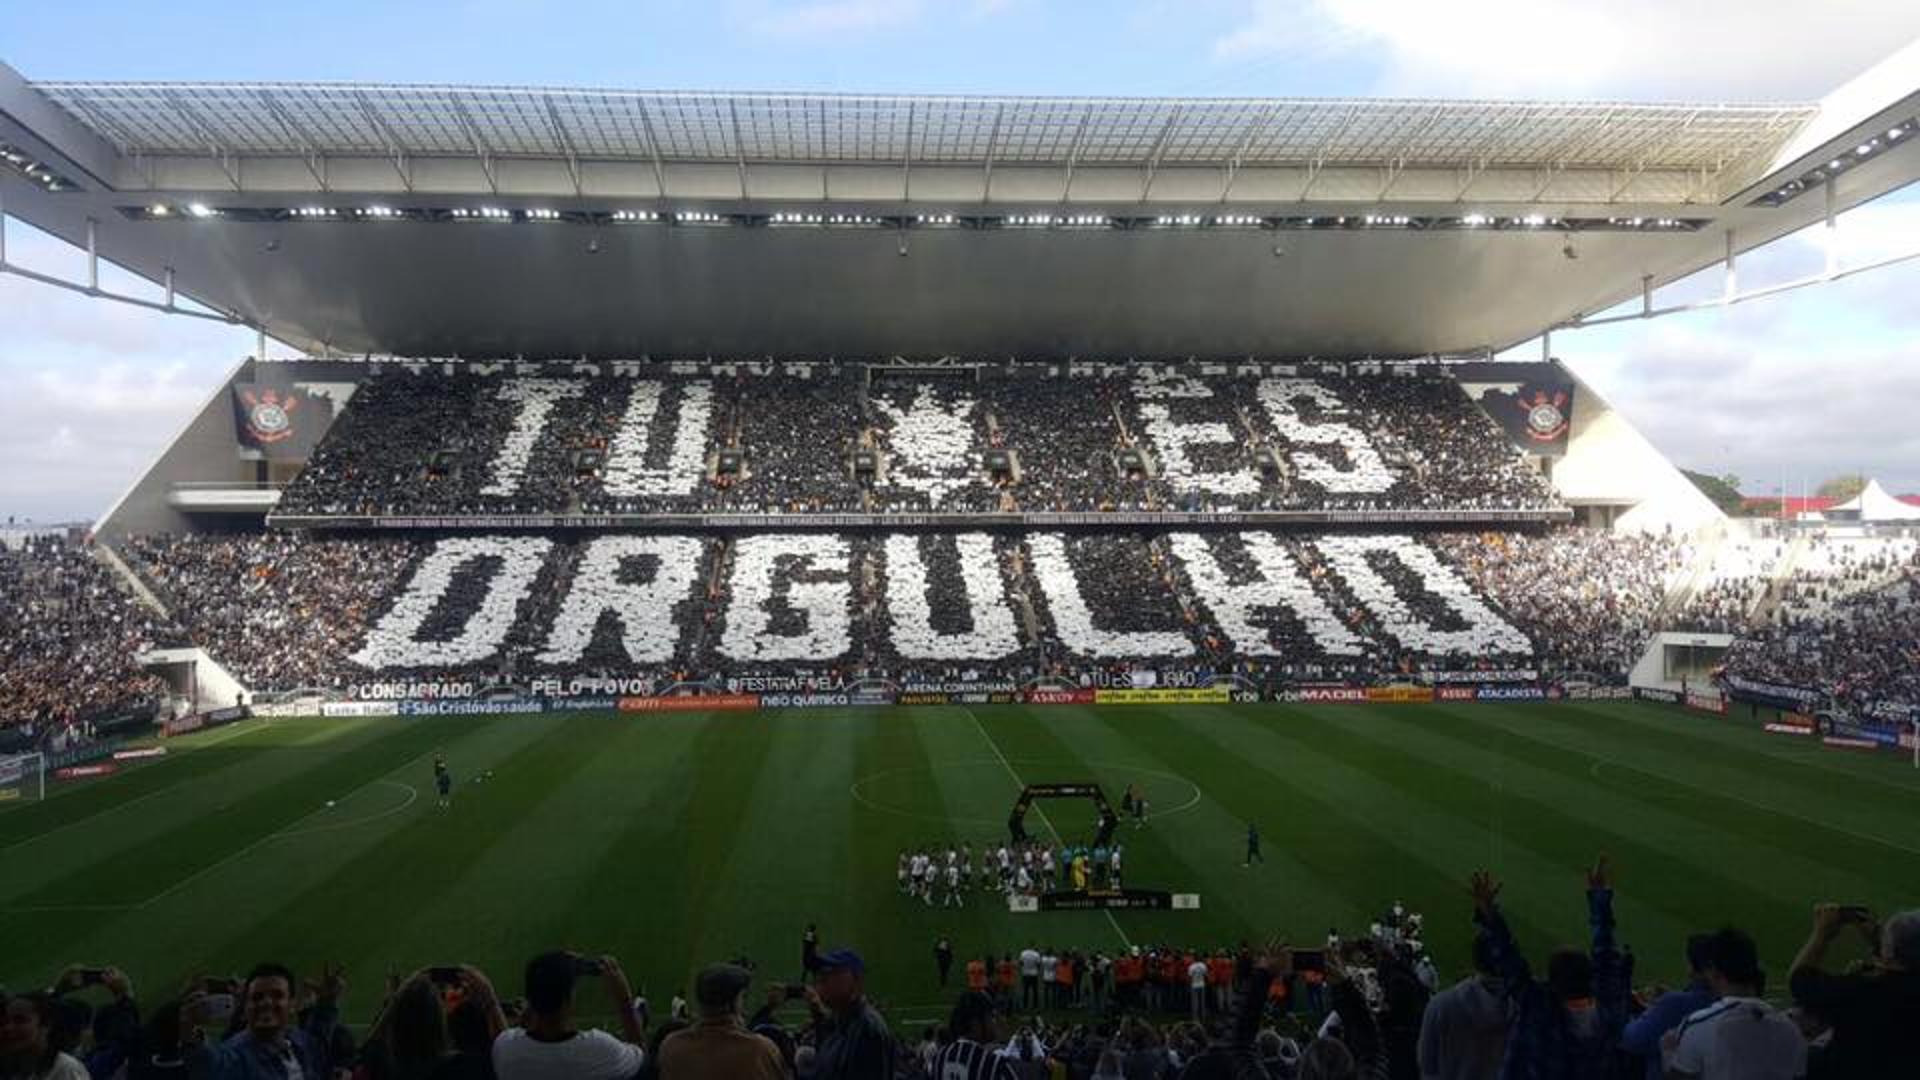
(70,637)
(1590,598)
(820,438)
(1369,1005)
(297,613)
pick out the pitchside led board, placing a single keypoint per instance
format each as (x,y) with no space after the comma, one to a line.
(1533,403)
(277,418)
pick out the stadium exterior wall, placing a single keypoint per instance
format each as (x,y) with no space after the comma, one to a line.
(1610,464)
(206,449)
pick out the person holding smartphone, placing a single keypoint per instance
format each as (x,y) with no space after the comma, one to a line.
(547,1045)
(1874,1013)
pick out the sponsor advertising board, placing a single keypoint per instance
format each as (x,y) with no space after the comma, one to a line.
(1654,693)
(1453,693)
(141,752)
(696,703)
(1712,703)
(76,772)
(1475,678)
(1058,697)
(1400,695)
(961,686)
(1197,695)
(469,707)
(1789,725)
(1328,695)
(360,708)
(582,704)
(1510,693)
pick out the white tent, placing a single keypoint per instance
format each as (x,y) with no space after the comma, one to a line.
(1873,504)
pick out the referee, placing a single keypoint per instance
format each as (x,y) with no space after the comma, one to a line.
(974,1053)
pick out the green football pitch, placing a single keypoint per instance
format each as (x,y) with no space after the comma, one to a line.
(675,840)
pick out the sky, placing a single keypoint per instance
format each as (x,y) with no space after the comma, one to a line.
(1790,389)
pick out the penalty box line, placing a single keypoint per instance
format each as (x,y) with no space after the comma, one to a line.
(1021,784)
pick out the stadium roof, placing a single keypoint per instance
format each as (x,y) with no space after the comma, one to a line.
(344,120)
(487,221)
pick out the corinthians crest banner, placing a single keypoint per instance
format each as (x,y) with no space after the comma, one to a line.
(277,418)
(1532,403)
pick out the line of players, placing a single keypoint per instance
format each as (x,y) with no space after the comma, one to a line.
(1012,869)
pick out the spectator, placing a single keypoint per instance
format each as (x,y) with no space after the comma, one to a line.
(28,1050)
(1667,1011)
(1328,1059)
(718,1046)
(852,1042)
(1874,1013)
(547,1046)
(975,1028)
(270,1047)
(1739,1036)
(1568,1026)
(410,1038)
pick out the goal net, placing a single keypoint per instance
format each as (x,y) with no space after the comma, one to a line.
(23,778)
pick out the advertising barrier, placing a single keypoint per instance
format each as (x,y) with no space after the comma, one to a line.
(696,703)
(1400,695)
(959,686)
(1515,693)
(1599,693)
(1849,742)
(1325,695)
(470,707)
(1198,695)
(142,752)
(1057,697)
(360,708)
(1712,703)
(1477,678)
(1791,724)
(76,772)
(1653,693)
(583,704)
(1453,693)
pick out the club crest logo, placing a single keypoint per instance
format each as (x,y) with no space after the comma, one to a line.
(269,415)
(1546,414)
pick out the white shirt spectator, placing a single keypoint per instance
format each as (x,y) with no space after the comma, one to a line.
(585,1055)
(1739,1038)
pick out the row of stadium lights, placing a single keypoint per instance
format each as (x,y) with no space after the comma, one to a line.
(37,172)
(1014,221)
(1825,173)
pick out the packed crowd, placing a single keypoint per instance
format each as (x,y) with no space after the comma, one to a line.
(1849,628)
(70,639)
(1370,1007)
(821,438)
(1590,599)
(290,612)
(279,609)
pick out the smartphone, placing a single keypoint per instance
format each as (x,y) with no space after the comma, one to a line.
(92,976)
(218,985)
(446,976)
(1855,913)
(1309,960)
(588,965)
(219,1008)
(795,990)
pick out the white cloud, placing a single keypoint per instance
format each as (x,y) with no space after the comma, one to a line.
(95,389)
(1637,49)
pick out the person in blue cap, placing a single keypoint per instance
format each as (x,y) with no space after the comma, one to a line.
(852,1040)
